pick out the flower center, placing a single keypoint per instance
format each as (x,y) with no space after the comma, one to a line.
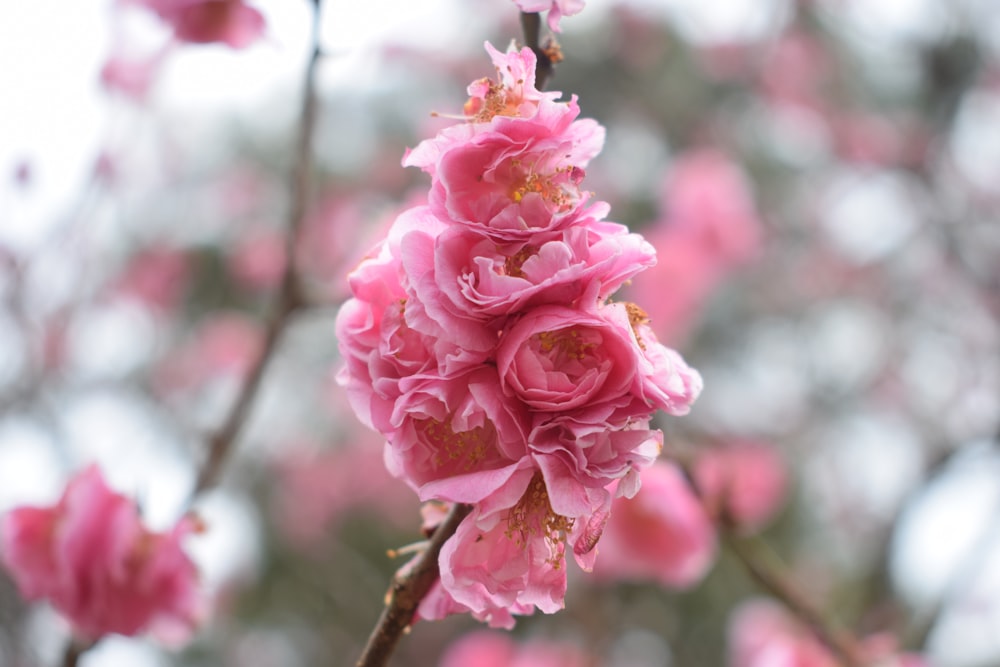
(566,344)
(469,447)
(533,517)
(559,188)
(512,265)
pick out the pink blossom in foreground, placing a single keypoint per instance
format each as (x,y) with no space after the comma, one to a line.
(482,341)
(230,22)
(92,558)
(661,534)
(556,9)
(493,649)
(741,482)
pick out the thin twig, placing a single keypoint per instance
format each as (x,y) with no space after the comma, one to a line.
(531,24)
(74,649)
(289,298)
(766,568)
(406,593)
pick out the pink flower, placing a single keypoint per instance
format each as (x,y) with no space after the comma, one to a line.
(556,9)
(515,179)
(450,434)
(742,482)
(474,282)
(92,558)
(516,169)
(514,92)
(231,22)
(511,550)
(492,649)
(558,359)
(662,533)
(555,358)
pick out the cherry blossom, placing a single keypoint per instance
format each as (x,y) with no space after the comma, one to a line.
(91,557)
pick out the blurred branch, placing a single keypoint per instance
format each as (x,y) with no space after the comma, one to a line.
(767,569)
(290,294)
(406,593)
(531,24)
(74,650)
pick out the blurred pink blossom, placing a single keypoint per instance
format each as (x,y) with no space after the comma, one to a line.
(492,649)
(708,227)
(257,260)
(224,344)
(314,488)
(92,558)
(661,534)
(156,276)
(556,9)
(743,482)
(764,634)
(130,75)
(231,22)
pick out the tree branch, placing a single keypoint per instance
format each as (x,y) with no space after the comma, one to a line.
(290,297)
(767,570)
(406,593)
(531,24)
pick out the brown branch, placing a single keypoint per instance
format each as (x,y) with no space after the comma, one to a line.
(767,570)
(290,297)
(531,24)
(406,593)
(74,650)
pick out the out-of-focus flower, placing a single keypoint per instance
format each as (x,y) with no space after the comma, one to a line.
(708,227)
(556,9)
(132,76)
(742,482)
(257,261)
(156,277)
(230,22)
(660,534)
(492,649)
(92,558)
(225,344)
(763,634)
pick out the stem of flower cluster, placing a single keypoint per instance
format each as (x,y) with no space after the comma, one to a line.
(531,24)
(406,593)
(290,297)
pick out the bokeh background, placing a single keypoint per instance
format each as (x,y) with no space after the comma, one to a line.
(822,182)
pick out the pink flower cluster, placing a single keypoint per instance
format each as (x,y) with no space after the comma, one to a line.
(92,558)
(482,343)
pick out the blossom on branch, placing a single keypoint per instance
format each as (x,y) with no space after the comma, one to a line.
(91,557)
(482,341)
